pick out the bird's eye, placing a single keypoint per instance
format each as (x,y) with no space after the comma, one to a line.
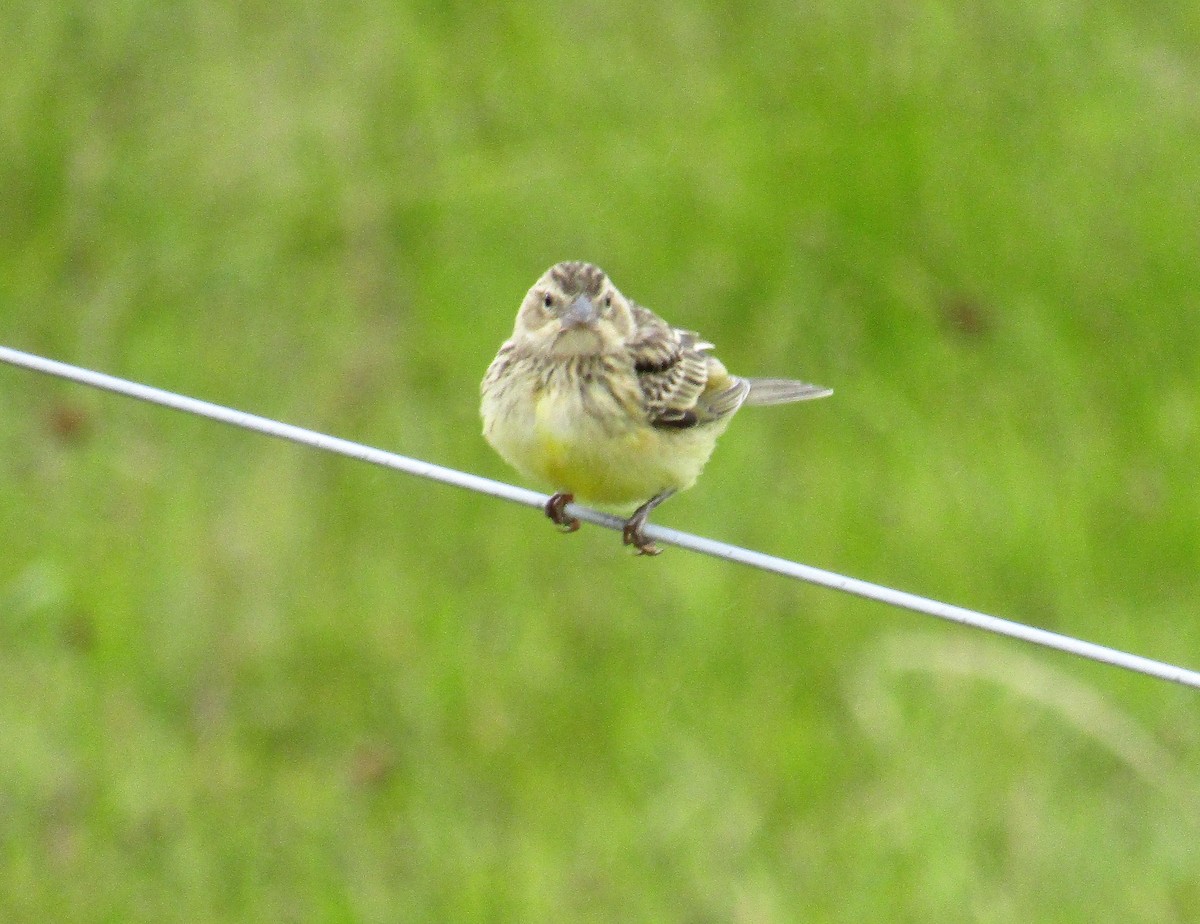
(608,301)
(548,301)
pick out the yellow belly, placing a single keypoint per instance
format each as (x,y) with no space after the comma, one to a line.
(598,452)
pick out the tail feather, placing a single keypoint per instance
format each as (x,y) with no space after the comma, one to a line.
(783,391)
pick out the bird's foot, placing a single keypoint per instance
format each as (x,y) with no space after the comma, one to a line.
(633,535)
(555,510)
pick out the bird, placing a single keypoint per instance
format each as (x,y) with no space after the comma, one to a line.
(602,400)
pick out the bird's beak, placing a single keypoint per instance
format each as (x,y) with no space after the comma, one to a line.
(582,313)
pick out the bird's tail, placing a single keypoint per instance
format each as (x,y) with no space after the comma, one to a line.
(783,391)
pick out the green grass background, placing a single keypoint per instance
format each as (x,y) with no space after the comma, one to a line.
(242,681)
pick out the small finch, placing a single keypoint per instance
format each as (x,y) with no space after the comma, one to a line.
(602,400)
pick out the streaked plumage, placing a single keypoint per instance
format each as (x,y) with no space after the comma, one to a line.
(599,398)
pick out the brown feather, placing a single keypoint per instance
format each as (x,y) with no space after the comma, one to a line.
(682,386)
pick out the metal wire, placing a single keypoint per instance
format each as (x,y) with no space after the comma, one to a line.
(662,534)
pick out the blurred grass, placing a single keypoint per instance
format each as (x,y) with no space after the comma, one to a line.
(243,682)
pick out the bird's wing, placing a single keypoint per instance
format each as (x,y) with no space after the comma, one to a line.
(682,386)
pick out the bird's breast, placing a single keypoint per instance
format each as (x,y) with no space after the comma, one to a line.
(584,430)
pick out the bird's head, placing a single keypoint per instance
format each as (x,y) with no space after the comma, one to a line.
(574,309)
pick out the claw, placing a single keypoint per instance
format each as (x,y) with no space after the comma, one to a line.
(632,534)
(555,511)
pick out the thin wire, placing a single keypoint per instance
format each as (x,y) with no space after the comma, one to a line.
(664,534)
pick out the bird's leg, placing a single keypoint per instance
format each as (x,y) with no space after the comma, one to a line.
(632,534)
(554,510)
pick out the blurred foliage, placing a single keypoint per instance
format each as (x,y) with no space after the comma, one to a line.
(240,681)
